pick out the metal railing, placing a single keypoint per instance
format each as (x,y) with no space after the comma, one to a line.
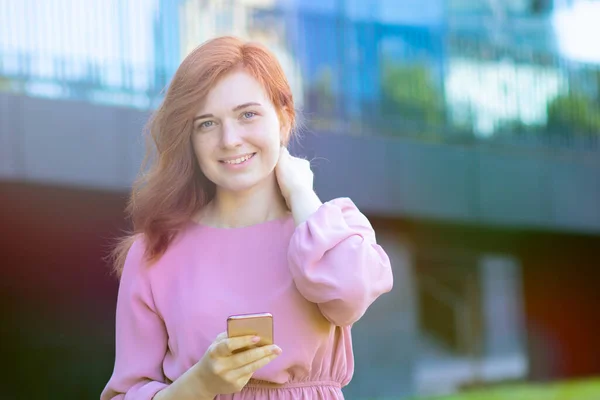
(358,77)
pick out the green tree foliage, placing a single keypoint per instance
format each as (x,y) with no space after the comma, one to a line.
(574,113)
(322,89)
(4,84)
(409,93)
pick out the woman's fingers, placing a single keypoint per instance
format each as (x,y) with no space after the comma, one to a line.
(234,366)
(249,356)
(254,360)
(226,346)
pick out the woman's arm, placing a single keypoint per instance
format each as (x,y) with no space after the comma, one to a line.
(141,337)
(304,204)
(335,259)
(187,387)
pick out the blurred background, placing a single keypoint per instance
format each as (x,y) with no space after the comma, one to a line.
(467,130)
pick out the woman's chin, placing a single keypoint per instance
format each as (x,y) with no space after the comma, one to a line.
(239,187)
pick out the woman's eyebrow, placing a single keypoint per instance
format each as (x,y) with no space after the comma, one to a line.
(236,108)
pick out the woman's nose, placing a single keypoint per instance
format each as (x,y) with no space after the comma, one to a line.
(231,136)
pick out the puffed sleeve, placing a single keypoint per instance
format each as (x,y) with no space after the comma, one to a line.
(141,337)
(336,262)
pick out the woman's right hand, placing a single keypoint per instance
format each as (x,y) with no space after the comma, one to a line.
(222,372)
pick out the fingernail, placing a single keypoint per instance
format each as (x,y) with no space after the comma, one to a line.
(255,339)
(277,350)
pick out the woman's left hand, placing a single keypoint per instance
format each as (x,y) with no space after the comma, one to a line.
(294,176)
(295,180)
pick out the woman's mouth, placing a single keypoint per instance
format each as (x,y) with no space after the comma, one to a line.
(238,160)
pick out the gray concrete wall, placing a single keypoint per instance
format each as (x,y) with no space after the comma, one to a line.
(81,144)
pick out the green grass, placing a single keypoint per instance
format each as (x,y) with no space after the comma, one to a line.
(574,390)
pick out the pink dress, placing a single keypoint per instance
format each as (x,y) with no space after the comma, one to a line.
(316,279)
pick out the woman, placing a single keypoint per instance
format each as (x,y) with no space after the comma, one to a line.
(226,222)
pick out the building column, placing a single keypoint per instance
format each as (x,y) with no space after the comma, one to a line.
(385,339)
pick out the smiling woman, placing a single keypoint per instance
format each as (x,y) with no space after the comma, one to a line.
(226,222)
(238,136)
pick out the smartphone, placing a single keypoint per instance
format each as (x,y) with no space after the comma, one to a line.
(260,325)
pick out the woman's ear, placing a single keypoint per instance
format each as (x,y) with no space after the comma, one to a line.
(286,130)
(285,138)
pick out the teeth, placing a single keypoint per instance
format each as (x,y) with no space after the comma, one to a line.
(238,160)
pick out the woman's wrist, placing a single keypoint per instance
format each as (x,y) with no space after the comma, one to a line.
(199,384)
(189,386)
(303,204)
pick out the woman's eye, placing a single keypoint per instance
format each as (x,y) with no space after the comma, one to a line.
(248,114)
(206,124)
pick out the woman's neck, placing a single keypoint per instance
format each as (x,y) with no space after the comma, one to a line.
(256,205)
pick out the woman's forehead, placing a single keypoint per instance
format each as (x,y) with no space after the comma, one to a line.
(232,91)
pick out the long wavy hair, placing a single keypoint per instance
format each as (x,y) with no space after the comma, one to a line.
(171,187)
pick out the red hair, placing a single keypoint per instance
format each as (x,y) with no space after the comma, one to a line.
(166,196)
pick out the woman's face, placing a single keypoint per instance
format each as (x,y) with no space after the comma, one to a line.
(237,133)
